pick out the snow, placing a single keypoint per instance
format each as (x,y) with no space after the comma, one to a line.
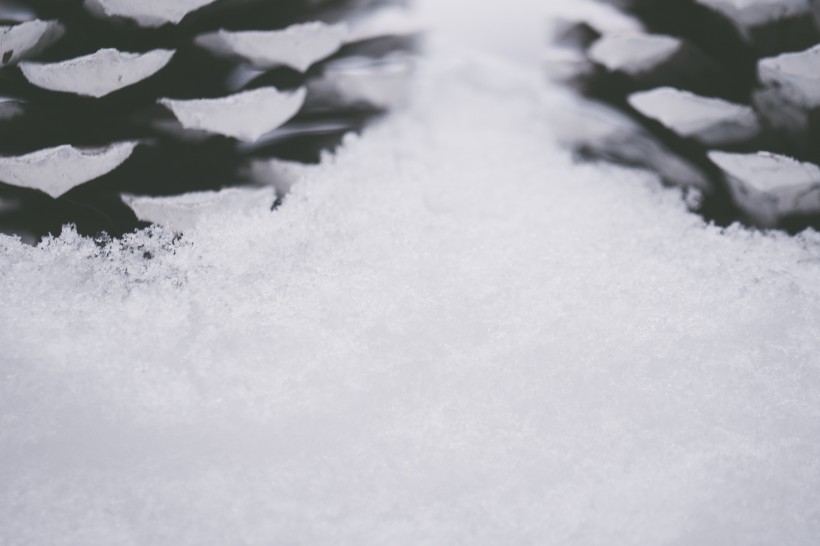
(449,333)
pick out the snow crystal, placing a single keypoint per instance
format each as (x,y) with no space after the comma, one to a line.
(447,334)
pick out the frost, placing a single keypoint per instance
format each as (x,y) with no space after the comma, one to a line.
(56,170)
(246,115)
(182,212)
(147,13)
(449,333)
(98,74)
(28,38)
(708,120)
(298,46)
(634,53)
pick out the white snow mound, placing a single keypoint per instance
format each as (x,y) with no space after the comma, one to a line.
(448,334)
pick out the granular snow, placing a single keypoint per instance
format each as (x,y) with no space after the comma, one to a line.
(449,333)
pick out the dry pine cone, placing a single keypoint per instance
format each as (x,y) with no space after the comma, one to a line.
(119,112)
(717,95)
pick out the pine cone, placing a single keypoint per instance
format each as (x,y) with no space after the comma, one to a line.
(104,102)
(717,95)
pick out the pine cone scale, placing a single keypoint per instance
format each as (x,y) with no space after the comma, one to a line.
(753,113)
(200,90)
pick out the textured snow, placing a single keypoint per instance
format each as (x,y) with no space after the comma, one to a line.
(447,334)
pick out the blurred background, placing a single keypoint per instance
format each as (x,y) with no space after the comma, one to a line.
(514,28)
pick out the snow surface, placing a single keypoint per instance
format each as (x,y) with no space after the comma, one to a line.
(448,334)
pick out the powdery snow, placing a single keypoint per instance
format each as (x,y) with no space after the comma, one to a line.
(448,334)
